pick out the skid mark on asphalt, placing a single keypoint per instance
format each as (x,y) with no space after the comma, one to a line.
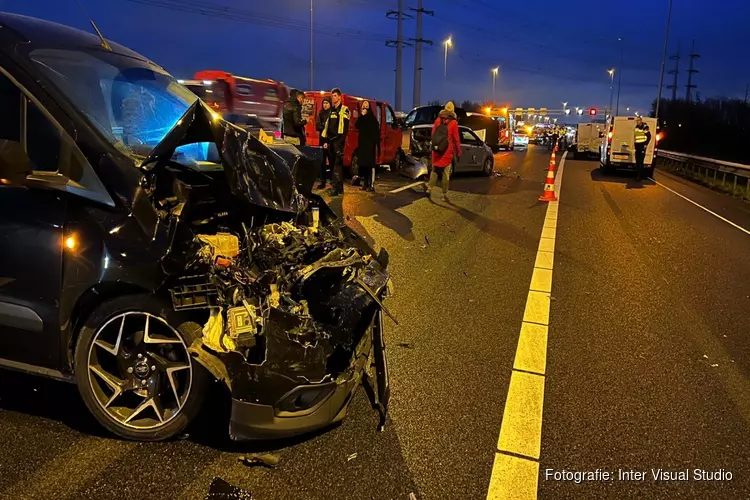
(515,471)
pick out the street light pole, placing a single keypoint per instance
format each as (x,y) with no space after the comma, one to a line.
(312,87)
(619,78)
(611,87)
(494,78)
(447,44)
(663,63)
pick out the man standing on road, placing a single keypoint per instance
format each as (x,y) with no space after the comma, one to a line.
(641,140)
(336,128)
(294,124)
(446,148)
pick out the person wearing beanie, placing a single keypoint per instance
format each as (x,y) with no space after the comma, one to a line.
(446,148)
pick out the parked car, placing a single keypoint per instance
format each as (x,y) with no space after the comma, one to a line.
(476,156)
(150,245)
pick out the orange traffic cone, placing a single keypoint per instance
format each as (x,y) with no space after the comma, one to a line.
(549,185)
(552,164)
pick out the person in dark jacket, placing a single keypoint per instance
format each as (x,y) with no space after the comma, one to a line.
(320,125)
(294,124)
(368,145)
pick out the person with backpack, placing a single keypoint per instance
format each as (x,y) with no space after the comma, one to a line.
(446,148)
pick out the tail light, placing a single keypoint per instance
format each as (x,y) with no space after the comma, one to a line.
(609,138)
(277,134)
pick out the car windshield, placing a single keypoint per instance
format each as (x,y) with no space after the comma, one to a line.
(131,102)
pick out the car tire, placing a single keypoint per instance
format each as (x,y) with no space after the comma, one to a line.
(488,167)
(179,376)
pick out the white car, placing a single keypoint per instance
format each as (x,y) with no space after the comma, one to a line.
(520,140)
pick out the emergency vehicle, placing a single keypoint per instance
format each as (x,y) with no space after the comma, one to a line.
(231,95)
(390,130)
(617,150)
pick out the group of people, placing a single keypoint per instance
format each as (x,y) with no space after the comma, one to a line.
(332,124)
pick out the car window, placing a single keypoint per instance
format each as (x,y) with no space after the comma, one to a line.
(389,116)
(409,121)
(10,109)
(468,137)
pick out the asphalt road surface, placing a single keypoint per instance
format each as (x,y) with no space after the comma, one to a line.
(646,362)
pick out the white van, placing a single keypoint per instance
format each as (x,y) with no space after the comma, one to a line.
(588,138)
(618,145)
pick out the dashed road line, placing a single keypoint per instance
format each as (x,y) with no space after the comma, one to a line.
(515,470)
(701,206)
(408,186)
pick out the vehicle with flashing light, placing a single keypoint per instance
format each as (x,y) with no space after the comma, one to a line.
(521,137)
(617,147)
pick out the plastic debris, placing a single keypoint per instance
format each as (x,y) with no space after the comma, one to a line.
(351,457)
(412,496)
(426,240)
(405,345)
(270,460)
(705,356)
(714,365)
(222,490)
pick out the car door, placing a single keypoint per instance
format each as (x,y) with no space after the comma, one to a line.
(31,222)
(469,150)
(391,135)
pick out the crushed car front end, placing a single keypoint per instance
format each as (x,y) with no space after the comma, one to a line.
(288,296)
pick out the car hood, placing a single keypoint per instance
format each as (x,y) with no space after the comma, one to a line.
(254,172)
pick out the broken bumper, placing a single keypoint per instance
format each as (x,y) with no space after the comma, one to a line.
(310,407)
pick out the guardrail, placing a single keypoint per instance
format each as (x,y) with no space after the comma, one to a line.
(724,175)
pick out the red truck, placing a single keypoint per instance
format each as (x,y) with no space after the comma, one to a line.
(390,130)
(233,96)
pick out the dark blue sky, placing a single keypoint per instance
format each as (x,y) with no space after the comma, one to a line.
(548,51)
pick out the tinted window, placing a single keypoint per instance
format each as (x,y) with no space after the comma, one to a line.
(42,140)
(243,89)
(10,110)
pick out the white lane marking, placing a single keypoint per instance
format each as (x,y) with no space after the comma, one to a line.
(701,207)
(515,471)
(408,186)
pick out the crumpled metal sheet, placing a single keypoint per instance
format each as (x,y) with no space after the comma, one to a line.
(254,172)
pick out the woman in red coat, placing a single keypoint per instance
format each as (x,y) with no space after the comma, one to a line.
(441,162)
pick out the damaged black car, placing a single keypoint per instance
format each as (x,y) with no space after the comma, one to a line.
(148,246)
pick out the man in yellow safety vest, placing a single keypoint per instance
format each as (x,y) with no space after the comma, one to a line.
(641,140)
(335,130)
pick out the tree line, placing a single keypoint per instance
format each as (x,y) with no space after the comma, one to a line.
(717,128)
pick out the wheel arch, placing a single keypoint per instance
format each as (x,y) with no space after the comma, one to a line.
(86,304)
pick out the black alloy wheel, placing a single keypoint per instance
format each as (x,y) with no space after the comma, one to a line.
(134,371)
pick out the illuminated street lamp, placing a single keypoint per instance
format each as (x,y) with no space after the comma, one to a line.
(447,43)
(565,105)
(494,78)
(579,111)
